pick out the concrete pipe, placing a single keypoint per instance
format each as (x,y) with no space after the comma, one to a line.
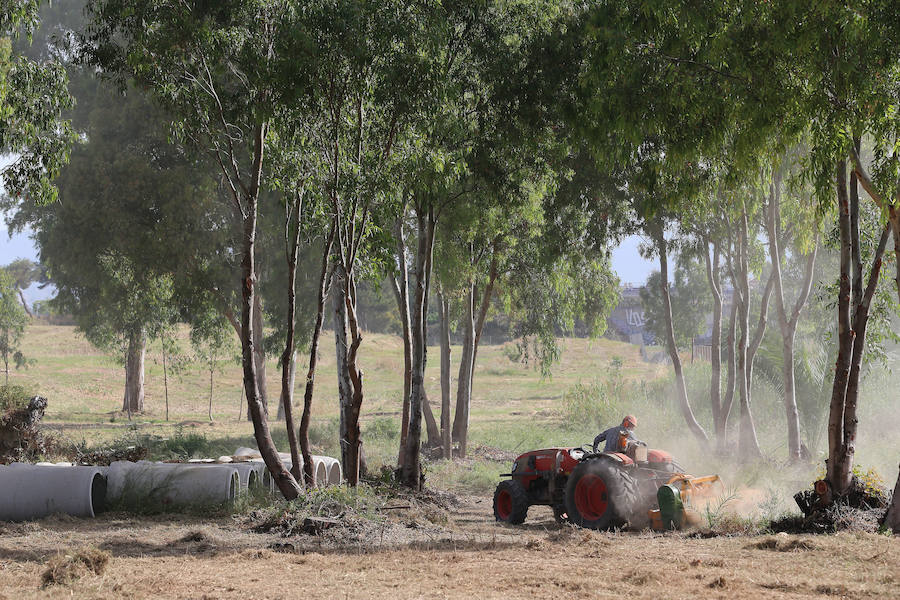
(334,474)
(33,492)
(173,483)
(320,472)
(333,469)
(266,478)
(249,473)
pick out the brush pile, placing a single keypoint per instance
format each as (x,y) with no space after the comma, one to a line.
(861,509)
(20,438)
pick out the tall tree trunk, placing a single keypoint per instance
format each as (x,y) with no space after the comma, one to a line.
(345,393)
(656,232)
(470,349)
(401,293)
(715,378)
(730,377)
(286,407)
(289,356)
(322,292)
(355,456)
(894,214)
(446,434)
(259,355)
(283,479)
(840,463)
(133,401)
(464,379)
(788,322)
(25,304)
(860,324)
(165,377)
(211,371)
(412,469)
(892,516)
(748,445)
(431,426)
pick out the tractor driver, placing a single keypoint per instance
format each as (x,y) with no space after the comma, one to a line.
(612,435)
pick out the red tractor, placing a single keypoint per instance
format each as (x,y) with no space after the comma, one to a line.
(636,487)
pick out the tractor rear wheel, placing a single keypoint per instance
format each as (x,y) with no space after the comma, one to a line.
(600,495)
(510,502)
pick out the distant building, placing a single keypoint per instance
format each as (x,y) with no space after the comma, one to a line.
(628,320)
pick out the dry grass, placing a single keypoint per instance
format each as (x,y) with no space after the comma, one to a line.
(65,569)
(472,557)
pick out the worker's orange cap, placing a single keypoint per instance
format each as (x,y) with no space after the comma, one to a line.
(629,421)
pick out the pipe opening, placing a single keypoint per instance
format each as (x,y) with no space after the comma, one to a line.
(98,494)
(234,485)
(321,475)
(334,474)
(252,480)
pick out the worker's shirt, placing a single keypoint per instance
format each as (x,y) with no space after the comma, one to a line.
(611,436)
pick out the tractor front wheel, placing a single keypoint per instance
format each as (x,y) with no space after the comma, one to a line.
(510,502)
(559,514)
(600,495)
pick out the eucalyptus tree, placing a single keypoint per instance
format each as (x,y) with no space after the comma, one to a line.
(792,224)
(359,103)
(221,71)
(845,82)
(689,304)
(33,98)
(479,150)
(12,325)
(302,215)
(114,241)
(25,272)
(210,339)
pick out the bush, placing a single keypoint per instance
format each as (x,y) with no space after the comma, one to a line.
(325,435)
(597,404)
(13,397)
(383,428)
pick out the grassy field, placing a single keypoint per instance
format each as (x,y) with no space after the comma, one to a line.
(513,407)
(510,400)
(391,546)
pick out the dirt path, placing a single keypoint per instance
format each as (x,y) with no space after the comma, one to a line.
(468,557)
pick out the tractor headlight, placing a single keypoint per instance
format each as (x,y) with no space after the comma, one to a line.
(576,453)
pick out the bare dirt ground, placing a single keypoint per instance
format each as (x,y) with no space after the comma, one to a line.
(416,555)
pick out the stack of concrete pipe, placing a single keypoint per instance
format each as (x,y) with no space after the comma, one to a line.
(173,483)
(326,470)
(37,491)
(250,475)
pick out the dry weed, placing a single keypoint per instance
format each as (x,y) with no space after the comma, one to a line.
(640,577)
(64,569)
(833,590)
(782,545)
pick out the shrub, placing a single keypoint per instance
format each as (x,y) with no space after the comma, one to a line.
(13,397)
(384,428)
(597,404)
